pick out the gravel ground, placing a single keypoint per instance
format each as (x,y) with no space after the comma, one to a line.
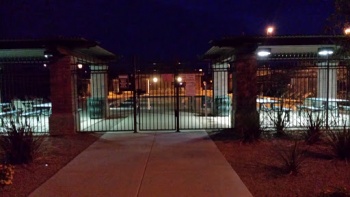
(55,153)
(257,164)
(261,169)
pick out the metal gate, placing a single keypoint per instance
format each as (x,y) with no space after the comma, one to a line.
(172,100)
(182,100)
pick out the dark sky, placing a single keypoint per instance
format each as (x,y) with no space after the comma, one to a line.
(159,29)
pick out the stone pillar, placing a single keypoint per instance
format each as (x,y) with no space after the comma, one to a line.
(62,121)
(99,90)
(322,80)
(245,92)
(222,102)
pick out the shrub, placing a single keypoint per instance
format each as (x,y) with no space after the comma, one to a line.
(6,174)
(291,157)
(279,119)
(335,192)
(340,142)
(19,144)
(313,133)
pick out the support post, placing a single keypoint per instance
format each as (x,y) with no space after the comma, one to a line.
(245,92)
(63,97)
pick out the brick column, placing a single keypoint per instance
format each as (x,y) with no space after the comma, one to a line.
(245,92)
(64,106)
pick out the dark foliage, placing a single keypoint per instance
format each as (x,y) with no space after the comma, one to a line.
(335,192)
(291,157)
(313,133)
(340,143)
(19,145)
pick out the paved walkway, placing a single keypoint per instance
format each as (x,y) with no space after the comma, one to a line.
(159,164)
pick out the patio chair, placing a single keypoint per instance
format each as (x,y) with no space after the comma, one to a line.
(25,110)
(38,101)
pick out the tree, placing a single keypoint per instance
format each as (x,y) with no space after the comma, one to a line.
(340,17)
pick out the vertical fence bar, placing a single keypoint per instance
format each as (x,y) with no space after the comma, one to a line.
(136,102)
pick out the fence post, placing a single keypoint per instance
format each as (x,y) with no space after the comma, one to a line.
(177,112)
(134,96)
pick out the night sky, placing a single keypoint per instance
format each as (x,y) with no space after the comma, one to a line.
(159,29)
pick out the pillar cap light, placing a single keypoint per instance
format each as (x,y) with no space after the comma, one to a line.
(263,52)
(325,51)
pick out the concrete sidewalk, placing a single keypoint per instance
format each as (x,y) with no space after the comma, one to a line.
(158,164)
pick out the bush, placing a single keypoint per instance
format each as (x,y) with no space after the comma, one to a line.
(335,192)
(313,133)
(279,119)
(291,157)
(6,174)
(19,144)
(340,143)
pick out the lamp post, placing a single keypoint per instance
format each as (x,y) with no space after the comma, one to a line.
(326,52)
(178,83)
(155,80)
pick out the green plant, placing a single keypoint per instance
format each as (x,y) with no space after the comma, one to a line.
(291,157)
(19,144)
(313,133)
(6,174)
(279,118)
(335,192)
(340,142)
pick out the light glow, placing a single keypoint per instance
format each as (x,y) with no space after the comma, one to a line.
(155,79)
(347,31)
(264,52)
(179,79)
(47,55)
(325,51)
(80,66)
(270,30)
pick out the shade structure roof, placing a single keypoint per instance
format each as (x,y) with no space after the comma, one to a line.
(228,46)
(34,49)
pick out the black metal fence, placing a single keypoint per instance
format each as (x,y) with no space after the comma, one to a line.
(297,91)
(294,90)
(143,101)
(24,90)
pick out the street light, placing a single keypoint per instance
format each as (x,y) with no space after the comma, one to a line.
(270,30)
(155,80)
(179,80)
(347,31)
